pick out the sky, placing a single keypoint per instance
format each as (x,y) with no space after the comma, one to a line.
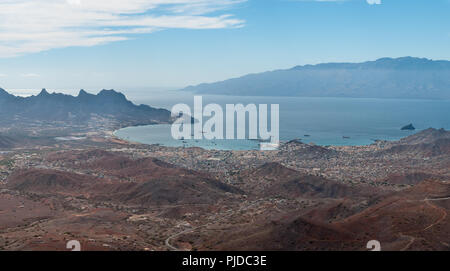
(97,44)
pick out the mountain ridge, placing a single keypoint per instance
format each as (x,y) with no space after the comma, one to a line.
(387,62)
(405,77)
(79,109)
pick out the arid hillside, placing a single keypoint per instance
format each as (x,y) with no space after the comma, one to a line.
(113,195)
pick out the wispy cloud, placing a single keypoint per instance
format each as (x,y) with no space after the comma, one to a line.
(374,2)
(30,75)
(29,26)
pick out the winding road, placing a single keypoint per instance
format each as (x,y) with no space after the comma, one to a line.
(403,234)
(443,217)
(173,248)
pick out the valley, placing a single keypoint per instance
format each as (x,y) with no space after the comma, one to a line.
(114,195)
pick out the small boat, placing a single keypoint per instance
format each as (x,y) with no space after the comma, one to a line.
(346,137)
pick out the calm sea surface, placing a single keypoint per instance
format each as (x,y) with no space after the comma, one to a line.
(327,121)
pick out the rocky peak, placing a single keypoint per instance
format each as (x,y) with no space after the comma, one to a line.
(43,93)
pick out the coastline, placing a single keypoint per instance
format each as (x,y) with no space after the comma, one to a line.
(282,142)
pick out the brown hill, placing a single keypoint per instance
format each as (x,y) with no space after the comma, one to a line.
(120,166)
(426,136)
(77,156)
(291,234)
(142,182)
(139,170)
(272,171)
(167,191)
(427,143)
(273,179)
(413,219)
(258,180)
(314,187)
(410,178)
(306,151)
(428,189)
(436,148)
(43,181)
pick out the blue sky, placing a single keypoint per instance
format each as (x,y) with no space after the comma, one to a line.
(98,44)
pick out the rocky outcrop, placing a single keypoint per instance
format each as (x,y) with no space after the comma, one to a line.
(409,127)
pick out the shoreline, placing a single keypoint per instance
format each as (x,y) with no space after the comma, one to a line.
(374,141)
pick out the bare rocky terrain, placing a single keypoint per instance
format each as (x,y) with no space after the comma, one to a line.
(114,195)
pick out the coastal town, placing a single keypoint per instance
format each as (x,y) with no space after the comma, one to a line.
(383,168)
(349,164)
(68,177)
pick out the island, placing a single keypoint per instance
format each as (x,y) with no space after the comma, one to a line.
(409,127)
(64,176)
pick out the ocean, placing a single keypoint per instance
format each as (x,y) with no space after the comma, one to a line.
(323,121)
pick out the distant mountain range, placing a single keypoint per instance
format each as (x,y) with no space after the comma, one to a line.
(405,77)
(85,107)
